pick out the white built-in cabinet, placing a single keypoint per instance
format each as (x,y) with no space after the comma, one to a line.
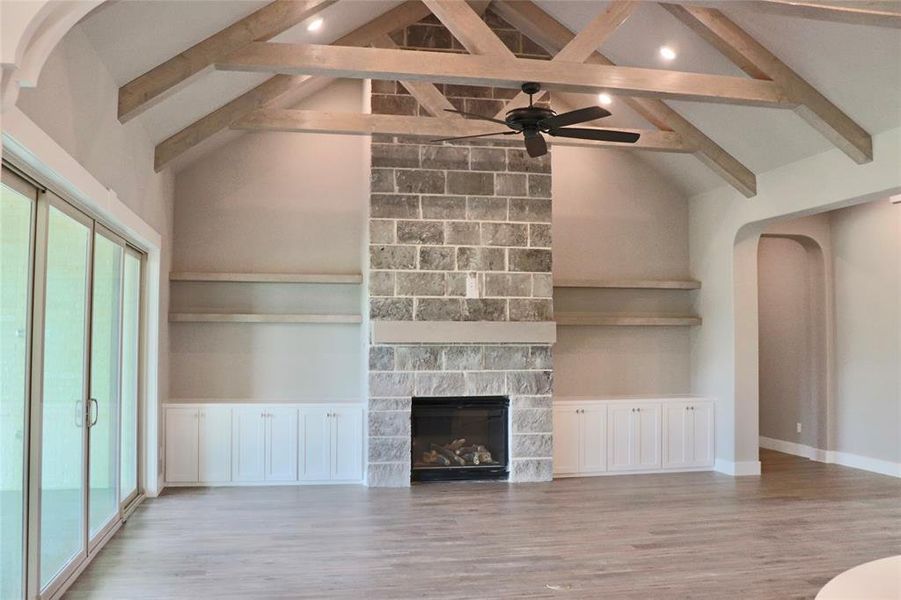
(332,449)
(687,434)
(595,437)
(633,436)
(579,439)
(200,448)
(248,444)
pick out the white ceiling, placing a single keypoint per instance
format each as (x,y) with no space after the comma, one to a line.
(857,67)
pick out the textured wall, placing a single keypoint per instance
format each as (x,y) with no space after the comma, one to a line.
(458,232)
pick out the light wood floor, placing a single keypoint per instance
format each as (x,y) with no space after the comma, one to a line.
(698,535)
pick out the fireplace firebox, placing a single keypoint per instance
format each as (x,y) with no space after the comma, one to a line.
(459,438)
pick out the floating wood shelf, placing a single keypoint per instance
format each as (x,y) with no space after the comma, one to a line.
(333,278)
(587,318)
(261,318)
(630,284)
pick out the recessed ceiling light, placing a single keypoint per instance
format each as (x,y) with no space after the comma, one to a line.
(605,99)
(314,25)
(667,53)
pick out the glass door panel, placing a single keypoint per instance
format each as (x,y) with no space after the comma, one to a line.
(15,272)
(62,522)
(103,412)
(131,329)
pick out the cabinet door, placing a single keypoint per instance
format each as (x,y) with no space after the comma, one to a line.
(647,422)
(593,437)
(677,435)
(702,434)
(281,444)
(315,444)
(248,444)
(181,445)
(621,434)
(215,444)
(566,440)
(347,444)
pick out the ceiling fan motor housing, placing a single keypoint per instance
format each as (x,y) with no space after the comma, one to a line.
(521,119)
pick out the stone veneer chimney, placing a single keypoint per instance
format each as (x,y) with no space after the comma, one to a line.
(458,232)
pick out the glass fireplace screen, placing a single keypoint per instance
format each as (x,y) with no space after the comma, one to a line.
(459,438)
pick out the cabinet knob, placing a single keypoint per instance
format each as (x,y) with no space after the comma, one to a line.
(637,410)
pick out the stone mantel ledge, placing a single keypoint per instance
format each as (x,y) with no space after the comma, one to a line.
(464,332)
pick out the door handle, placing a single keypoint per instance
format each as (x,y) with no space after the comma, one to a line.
(96,405)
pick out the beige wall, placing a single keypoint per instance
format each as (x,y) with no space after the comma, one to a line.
(867,253)
(724,230)
(614,217)
(273,202)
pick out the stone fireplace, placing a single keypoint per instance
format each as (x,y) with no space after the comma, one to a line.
(460,265)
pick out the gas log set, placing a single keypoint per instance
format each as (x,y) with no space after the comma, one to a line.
(458,453)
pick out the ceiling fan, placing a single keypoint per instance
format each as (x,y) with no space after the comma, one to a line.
(532,121)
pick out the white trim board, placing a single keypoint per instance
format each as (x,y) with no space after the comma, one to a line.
(845,459)
(737,469)
(794,449)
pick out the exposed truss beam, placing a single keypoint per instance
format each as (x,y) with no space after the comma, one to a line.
(596,32)
(468,27)
(281,90)
(142,92)
(754,59)
(360,63)
(584,44)
(547,32)
(220,119)
(269,119)
(429,96)
(859,12)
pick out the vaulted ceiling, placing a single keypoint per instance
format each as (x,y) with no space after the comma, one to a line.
(857,67)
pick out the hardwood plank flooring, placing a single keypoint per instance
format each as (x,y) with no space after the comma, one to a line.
(694,535)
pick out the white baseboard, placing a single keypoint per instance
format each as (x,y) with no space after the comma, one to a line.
(846,459)
(794,448)
(856,461)
(737,469)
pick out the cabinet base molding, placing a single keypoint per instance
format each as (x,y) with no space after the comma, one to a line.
(631,473)
(259,484)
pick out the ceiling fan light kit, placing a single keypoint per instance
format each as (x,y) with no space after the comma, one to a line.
(532,121)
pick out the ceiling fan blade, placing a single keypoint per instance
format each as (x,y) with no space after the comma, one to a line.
(466,137)
(601,135)
(574,116)
(535,144)
(474,116)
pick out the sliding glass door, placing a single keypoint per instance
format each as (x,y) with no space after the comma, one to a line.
(128,402)
(103,412)
(17,206)
(70,327)
(64,406)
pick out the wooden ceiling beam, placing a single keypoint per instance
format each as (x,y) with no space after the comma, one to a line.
(586,42)
(753,58)
(886,13)
(427,94)
(467,26)
(551,35)
(492,71)
(145,90)
(282,90)
(305,121)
